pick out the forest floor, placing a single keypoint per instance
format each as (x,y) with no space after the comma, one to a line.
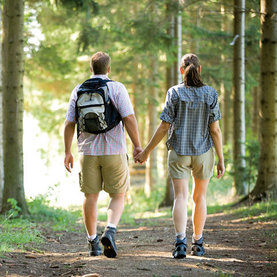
(234,247)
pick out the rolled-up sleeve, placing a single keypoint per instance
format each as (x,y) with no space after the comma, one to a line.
(169,112)
(70,115)
(123,102)
(214,110)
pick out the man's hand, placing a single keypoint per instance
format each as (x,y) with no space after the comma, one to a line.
(220,169)
(136,151)
(68,162)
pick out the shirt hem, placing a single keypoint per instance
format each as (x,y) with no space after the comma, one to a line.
(169,147)
(97,154)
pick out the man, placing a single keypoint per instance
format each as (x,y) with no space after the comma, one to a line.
(103,159)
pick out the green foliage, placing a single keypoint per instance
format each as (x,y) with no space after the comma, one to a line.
(15,209)
(220,190)
(262,211)
(79,4)
(57,218)
(252,154)
(218,208)
(16,233)
(19,232)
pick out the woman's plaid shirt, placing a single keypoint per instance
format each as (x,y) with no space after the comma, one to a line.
(190,110)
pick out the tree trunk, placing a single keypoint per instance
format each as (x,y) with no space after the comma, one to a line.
(266,185)
(171,79)
(169,194)
(227,117)
(13,70)
(240,187)
(195,45)
(255,111)
(1,126)
(151,166)
(179,45)
(224,93)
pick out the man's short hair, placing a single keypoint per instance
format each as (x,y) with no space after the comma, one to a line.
(100,63)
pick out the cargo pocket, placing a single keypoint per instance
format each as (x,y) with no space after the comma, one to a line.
(127,159)
(81,180)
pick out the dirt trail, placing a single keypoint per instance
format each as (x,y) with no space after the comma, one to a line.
(234,248)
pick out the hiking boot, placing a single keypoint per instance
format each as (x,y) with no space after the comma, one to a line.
(197,248)
(94,248)
(180,248)
(108,242)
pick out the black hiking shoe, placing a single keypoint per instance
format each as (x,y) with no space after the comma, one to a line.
(94,248)
(108,242)
(197,248)
(180,248)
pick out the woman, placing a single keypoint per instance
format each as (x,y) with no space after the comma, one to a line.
(191,115)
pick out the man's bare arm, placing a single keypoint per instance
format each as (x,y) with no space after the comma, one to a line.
(131,126)
(69,129)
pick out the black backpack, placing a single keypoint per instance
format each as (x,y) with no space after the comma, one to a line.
(95,112)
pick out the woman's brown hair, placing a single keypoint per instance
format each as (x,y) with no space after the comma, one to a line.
(190,64)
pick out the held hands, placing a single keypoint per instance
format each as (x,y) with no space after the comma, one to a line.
(141,157)
(220,169)
(136,151)
(68,162)
(138,155)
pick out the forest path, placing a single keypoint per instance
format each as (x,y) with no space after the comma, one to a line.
(234,246)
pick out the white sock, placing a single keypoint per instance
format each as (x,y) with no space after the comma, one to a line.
(111,225)
(197,237)
(180,236)
(92,237)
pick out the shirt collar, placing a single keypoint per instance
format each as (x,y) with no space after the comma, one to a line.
(102,76)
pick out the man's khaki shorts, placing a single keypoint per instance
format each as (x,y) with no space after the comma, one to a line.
(109,173)
(180,167)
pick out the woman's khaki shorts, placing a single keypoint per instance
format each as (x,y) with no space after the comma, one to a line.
(180,167)
(109,172)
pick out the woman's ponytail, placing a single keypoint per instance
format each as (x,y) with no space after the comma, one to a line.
(190,64)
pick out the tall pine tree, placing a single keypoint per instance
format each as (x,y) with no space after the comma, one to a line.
(13,70)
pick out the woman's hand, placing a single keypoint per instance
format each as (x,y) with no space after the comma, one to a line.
(220,169)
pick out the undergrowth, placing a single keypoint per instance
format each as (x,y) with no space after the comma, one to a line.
(19,231)
(262,211)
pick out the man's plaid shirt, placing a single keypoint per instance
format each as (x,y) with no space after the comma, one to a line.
(190,110)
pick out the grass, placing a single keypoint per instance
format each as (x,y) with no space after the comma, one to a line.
(262,211)
(19,231)
(16,233)
(58,219)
